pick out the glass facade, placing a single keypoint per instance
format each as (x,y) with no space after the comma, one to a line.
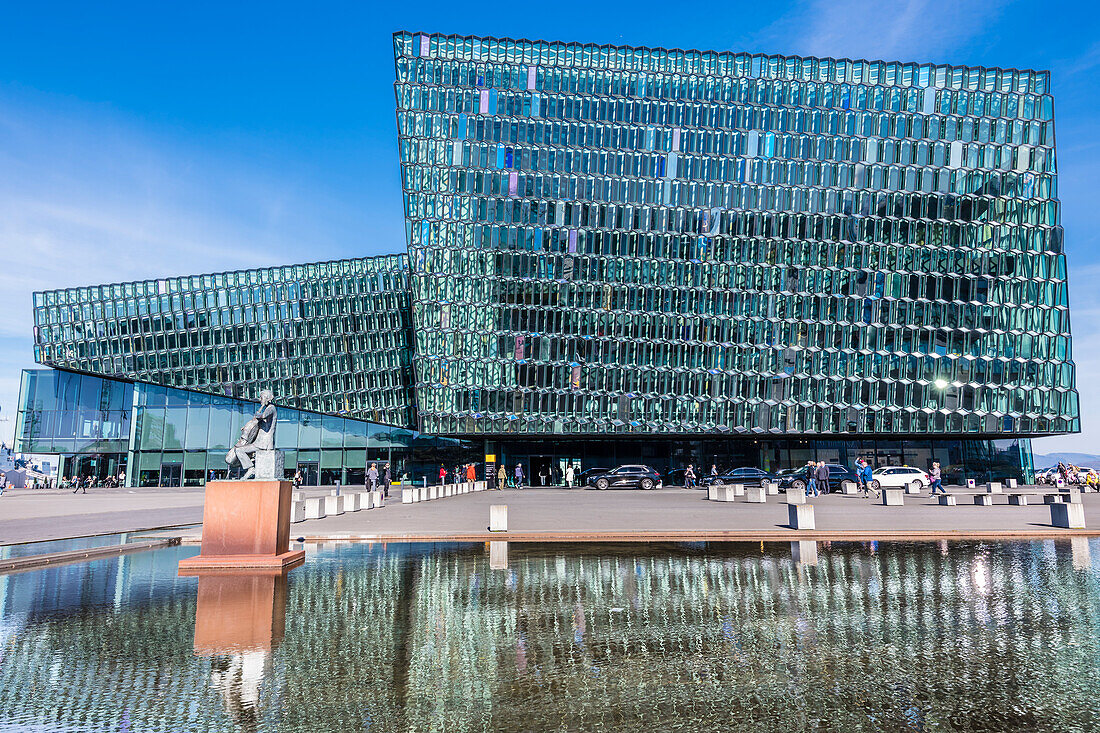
(632,240)
(331,337)
(162,436)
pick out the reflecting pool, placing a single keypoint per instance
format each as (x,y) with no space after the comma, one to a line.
(961,636)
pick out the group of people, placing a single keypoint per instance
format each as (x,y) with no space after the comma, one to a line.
(548,476)
(83,483)
(466,473)
(1073,475)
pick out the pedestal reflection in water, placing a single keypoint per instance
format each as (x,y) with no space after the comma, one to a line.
(701,637)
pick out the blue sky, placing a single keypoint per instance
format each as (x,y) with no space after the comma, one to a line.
(148,139)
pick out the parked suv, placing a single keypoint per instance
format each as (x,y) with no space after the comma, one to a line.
(626,477)
(896,477)
(796,478)
(744,476)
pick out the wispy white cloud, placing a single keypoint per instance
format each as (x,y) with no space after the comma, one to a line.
(908,30)
(90,196)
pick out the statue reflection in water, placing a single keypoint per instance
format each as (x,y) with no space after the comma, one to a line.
(240,619)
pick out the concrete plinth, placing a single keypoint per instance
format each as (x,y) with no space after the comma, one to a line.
(410,496)
(425,493)
(970,483)
(796,496)
(912,487)
(498,518)
(315,508)
(983,499)
(756,494)
(334,505)
(1011,483)
(947,500)
(352,502)
(738,489)
(1068,516)
(712,492)
(1074,496)
(772,488)
(800,516)
(849,487)
(1052,498)
(245,524)
(1017,499)
(479,486)
(993,487)
(893,497)
(297,496)
(377,499)
(297,511)
(723,493)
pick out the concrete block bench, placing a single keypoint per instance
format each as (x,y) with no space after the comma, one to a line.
(849,487)
(352,502)
(912,487)
(800,516)
(1018,499)
(993,487)
(893,497)
(948,500)
(796,496)
(1011,483)
(334,505)
(738,489)
(297,511)
(377,499)
(1067,515)
(983,499)
(756,494)
(722,493)
(315,507)
(410,496)
(772,488)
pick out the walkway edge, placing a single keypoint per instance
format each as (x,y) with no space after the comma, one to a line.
(37,562)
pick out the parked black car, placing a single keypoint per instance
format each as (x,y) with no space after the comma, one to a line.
(796,477)
(626,477)
(588,475)
(744,476)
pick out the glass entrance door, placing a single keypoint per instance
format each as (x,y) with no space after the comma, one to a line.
(310,475)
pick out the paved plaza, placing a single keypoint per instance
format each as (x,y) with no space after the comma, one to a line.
(28,515)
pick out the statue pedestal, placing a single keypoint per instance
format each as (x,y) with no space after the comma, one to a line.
(240,610)
(245,524)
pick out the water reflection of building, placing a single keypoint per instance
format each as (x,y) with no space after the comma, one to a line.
(985,636)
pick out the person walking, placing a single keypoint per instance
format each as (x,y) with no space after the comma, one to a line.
(372,477)
(502,477)
(471,475)
(821,473)
(570,474)
(387,479)
(80,486)
(714,470)
(811,478)
(937,478)
(866,479)
(442,474)
(519,475)
(689,476)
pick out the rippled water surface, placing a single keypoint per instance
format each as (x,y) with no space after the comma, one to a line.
(599,637)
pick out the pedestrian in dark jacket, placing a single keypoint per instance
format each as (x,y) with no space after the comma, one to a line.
(821,473)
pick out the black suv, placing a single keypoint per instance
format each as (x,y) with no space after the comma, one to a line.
(744,476)
(796,478)
(625,477)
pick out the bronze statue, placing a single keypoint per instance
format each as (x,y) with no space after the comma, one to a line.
(257,434)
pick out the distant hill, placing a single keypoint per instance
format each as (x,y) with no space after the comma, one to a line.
(1042,460)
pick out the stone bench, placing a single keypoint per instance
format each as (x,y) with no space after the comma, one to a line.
(800,516)
(334,505)
(1067,515)
(796,496)
(721,493)
(993,487)
(377,499)
(849,487)
(772,487)
(315,507)
(297,511)
(756,494)
(498,518)
(983,499)
(948,500)
(1018,499)
(352,501)
(893,497)
(410,496)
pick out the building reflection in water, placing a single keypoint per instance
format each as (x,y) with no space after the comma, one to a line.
(896,636)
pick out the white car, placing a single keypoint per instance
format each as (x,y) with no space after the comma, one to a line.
(896,477)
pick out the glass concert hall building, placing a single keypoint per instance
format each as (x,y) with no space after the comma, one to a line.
(620,254)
